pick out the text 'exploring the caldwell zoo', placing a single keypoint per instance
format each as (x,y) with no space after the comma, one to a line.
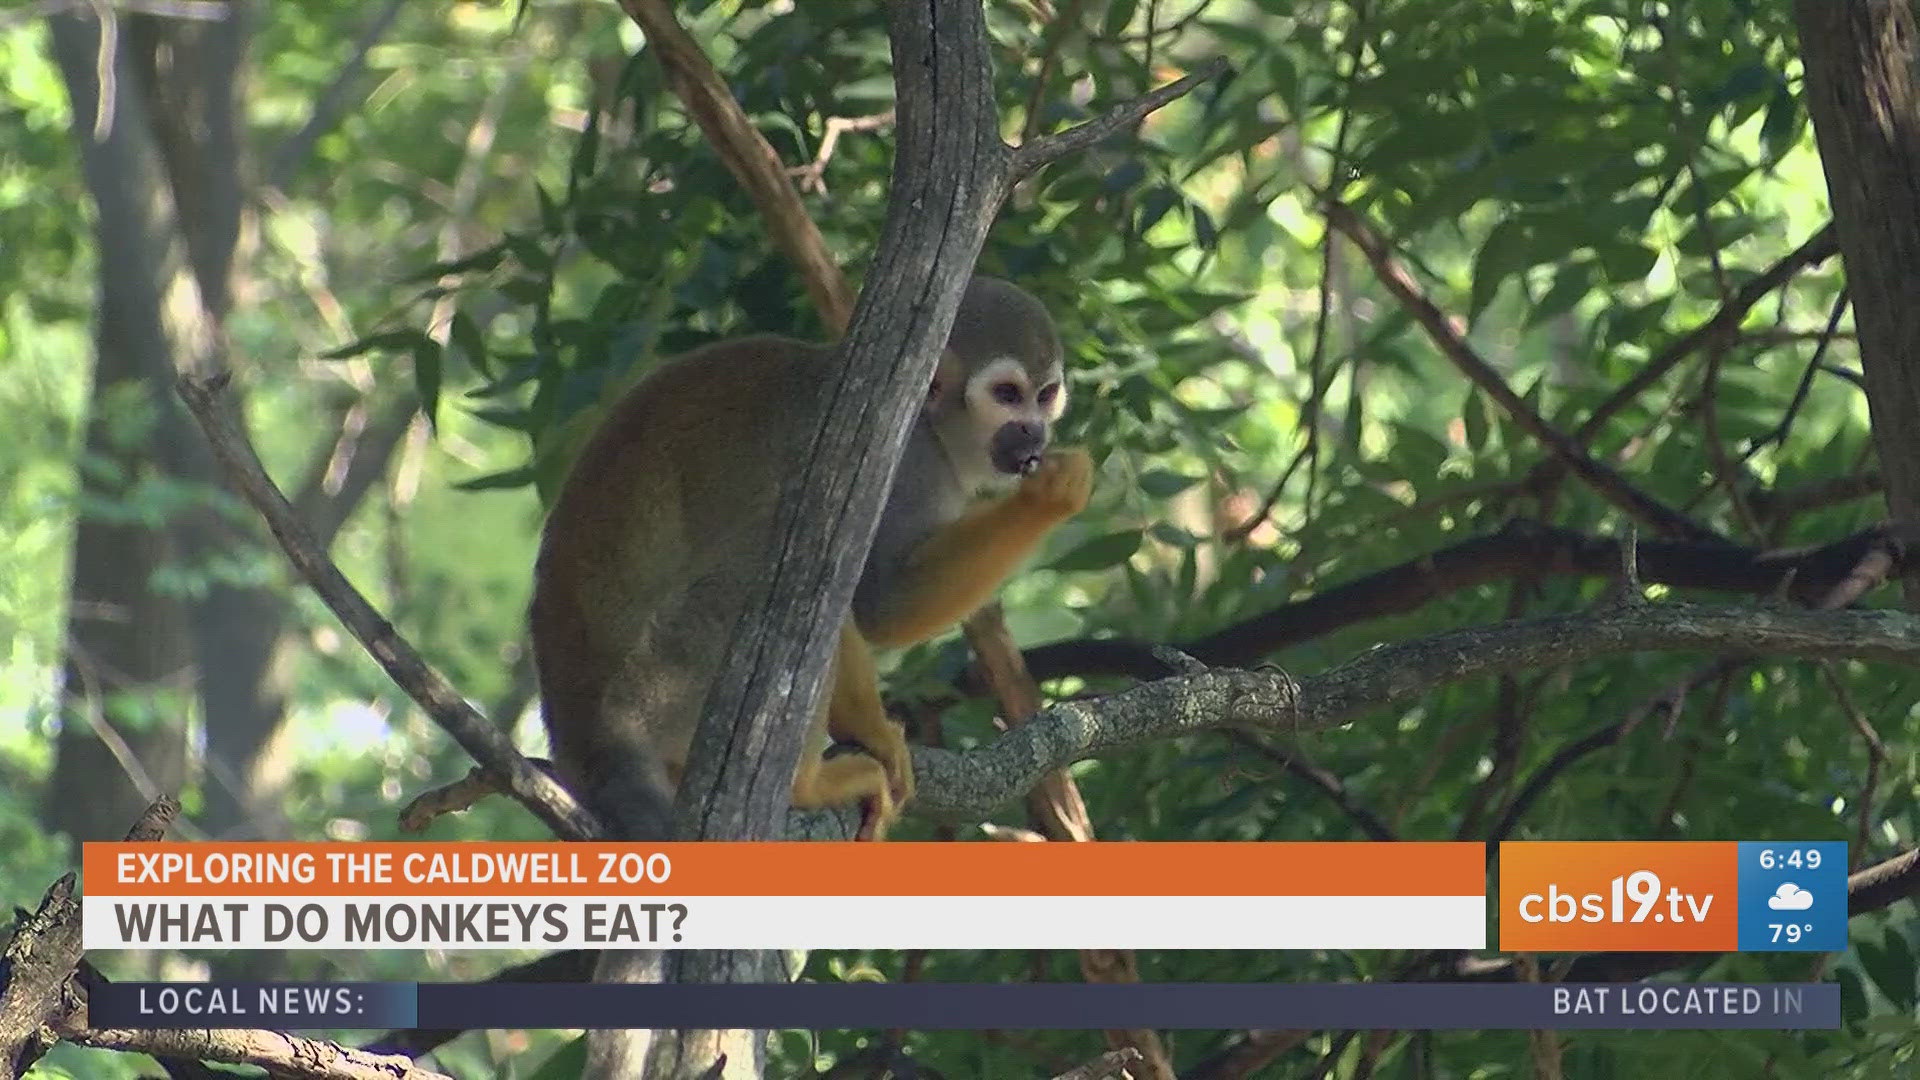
(486,895)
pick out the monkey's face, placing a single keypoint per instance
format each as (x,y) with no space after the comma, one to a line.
(998,424)
(998,388)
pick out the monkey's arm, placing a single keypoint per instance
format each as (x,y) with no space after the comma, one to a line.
(957,569)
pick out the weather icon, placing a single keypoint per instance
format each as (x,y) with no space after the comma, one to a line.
(1790,897)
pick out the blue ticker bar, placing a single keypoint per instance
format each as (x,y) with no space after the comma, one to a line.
(973,1006)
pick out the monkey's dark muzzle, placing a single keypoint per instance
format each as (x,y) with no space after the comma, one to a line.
(1017,448)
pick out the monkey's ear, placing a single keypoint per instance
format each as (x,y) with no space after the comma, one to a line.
(945,383)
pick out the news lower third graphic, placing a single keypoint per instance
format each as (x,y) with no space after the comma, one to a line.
(485,895)
(1553,897)
(973,1006)
(1597,896)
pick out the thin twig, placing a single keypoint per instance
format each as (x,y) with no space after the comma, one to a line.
(1667,703)
(1876,758)
(1785,426)
(1051,39)
(488,745)
(1037,153)
(812,176)
(1328,784)
(1602,478)
(327,108)
(1727,472)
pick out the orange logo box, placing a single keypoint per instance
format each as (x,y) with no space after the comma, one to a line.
(1619,897)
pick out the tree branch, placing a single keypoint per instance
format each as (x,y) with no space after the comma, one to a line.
(747,154)
(283,1055)
(1601,477)
(1720,327)
(1521,548)
(488,745)
(969,785)
(42,952)
(1037,154)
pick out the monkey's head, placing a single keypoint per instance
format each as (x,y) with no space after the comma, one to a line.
(999,387)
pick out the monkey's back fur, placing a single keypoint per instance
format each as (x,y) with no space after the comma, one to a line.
(639,579)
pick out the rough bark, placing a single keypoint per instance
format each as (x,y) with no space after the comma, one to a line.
(1863,94)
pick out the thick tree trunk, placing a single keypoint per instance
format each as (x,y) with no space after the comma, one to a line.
(126,641)
(1861,92)
(169,181)
(192,73)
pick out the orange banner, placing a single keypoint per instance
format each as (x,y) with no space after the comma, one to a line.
(1592,896)
(784,869)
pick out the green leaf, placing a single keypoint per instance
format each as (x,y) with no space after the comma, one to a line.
(1716,233)
(1173,536)
(1629,323)
(1706,191)
(510,417)
(1161,484)
(1746,80)
(519,371)
(1119,17)
(1473,415)
(1197,304)
(567,1063)
(426,378)
(486,258)
(529,291)
(1123,177)
(1205,236)
(551,219)
(1154,206)
(586,153)
(388,341)
(1781,129)
(1570,286)
(528,252)
(1504,252)
(1891,967)
(464,334)
(1624,262)
(1100,552)
(511,478)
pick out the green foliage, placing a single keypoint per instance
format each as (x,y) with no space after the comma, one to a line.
(1575,184)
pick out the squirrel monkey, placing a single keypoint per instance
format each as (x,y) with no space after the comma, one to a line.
(665,519)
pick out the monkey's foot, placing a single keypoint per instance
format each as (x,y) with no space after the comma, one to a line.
(849,778)
(888,745)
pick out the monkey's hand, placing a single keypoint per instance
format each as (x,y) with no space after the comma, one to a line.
(957,569)
(1061,486)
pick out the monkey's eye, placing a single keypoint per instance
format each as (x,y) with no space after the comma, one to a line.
(1006,393)
(1048,393)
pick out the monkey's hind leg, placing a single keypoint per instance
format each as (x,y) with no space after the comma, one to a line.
(858,717)
(881,778)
